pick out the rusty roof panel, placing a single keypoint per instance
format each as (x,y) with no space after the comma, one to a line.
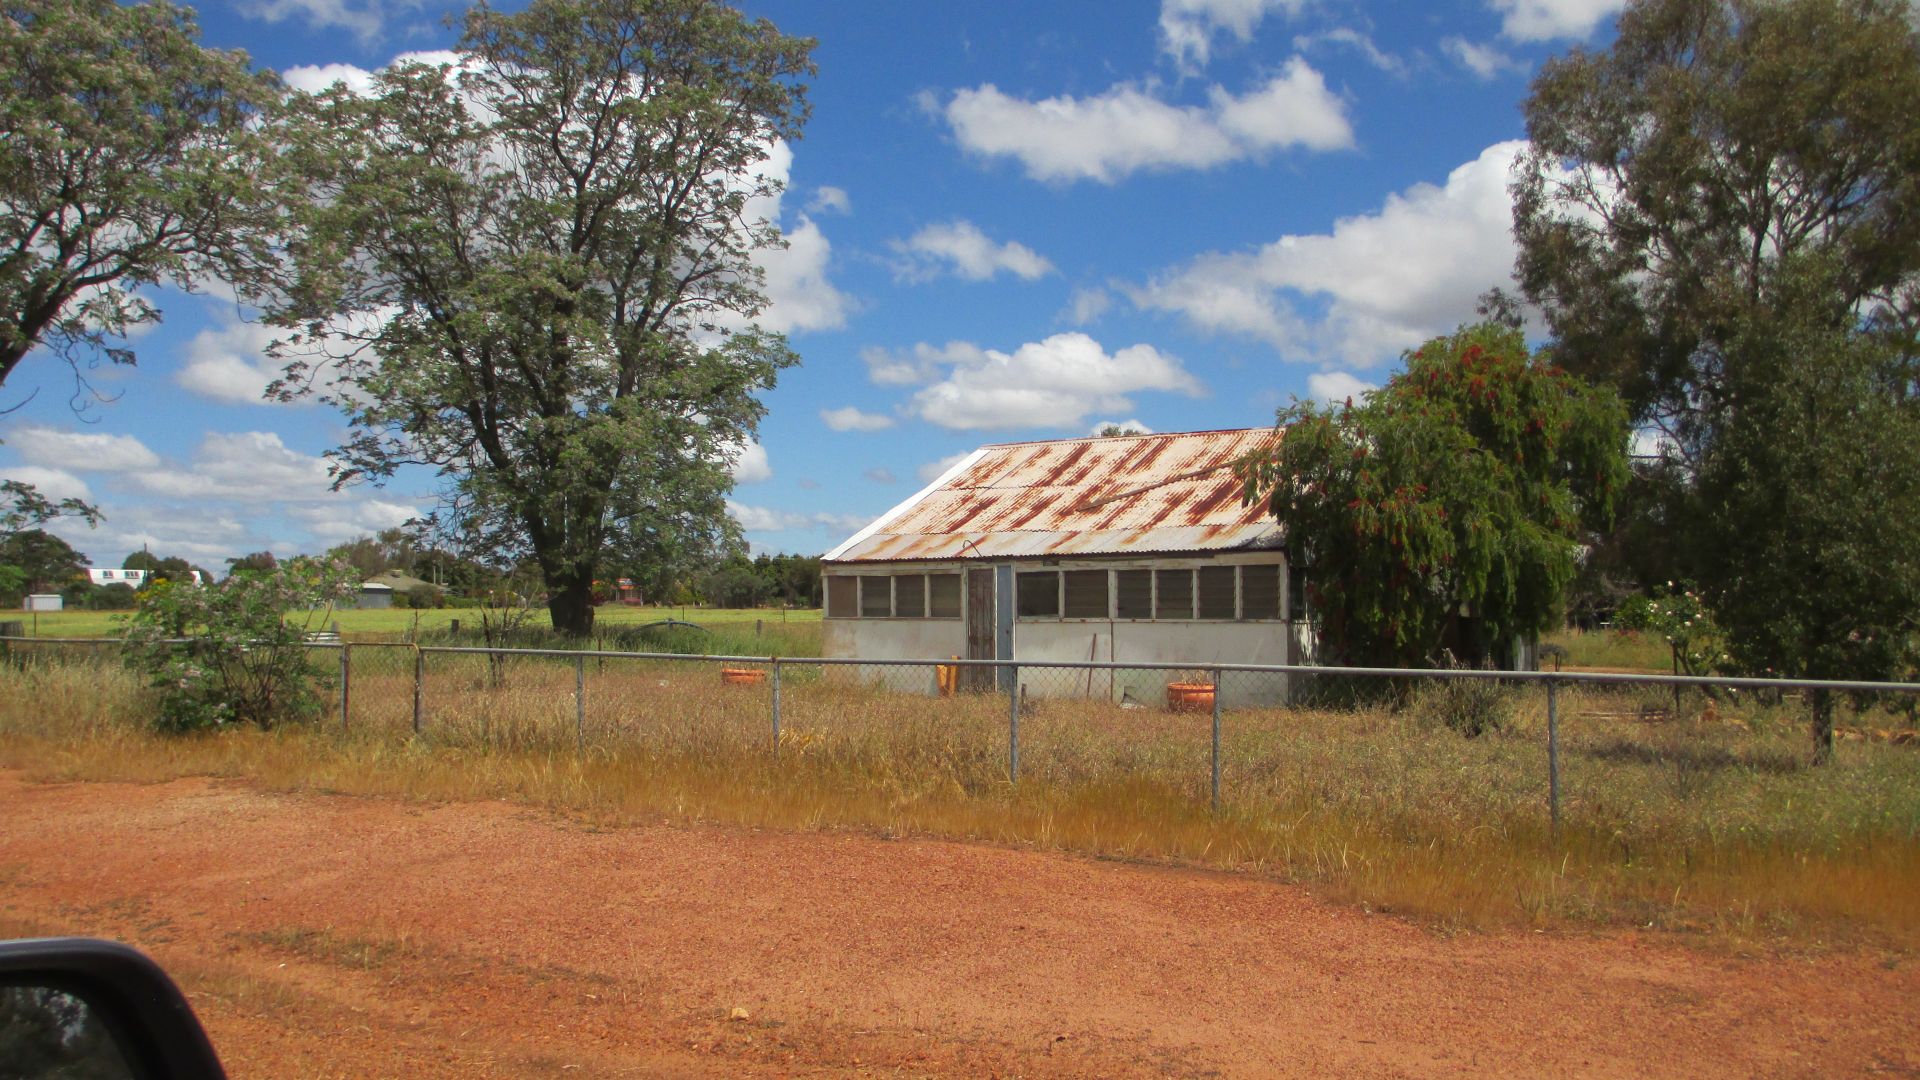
(1094,496)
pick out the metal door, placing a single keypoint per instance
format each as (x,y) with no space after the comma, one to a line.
(980,629)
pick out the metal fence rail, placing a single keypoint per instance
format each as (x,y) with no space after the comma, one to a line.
(391,686)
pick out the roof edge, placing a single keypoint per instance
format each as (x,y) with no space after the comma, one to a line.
(912,500)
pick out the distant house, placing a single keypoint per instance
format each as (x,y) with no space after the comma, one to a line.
(135,578)
(1119,548)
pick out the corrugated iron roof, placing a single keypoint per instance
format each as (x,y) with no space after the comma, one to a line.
(1095,496)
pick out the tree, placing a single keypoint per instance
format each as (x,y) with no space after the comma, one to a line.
(1669,174)
(1444,511)
(22,506)
(130,160)
(164,568)
(260,562)
(1806,556)
(541,262)
(48,563)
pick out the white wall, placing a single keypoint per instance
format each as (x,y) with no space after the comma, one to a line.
(892,639)
(1199,643)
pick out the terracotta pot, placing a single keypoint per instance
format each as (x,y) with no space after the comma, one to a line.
(1190,697)
(742,676)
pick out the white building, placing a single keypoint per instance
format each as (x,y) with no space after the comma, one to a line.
(135,578)
(1126,548)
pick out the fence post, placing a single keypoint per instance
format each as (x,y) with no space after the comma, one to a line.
(776,705)
(346,675)
(1013,723)
(580,705)
(1553,754)
(419,685)
(1216,739)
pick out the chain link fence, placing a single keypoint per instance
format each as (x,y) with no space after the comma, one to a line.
(1213,733)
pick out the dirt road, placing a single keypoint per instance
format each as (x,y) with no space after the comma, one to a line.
(328,936)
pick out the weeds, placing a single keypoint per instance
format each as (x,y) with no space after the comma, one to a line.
(1692,823)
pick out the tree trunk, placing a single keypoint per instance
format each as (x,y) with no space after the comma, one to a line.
(1822,703)
(570,604)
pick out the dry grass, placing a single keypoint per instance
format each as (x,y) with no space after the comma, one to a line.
(1710,825)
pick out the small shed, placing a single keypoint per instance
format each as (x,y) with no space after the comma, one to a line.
(44,602)
(372,595)
(1120,548)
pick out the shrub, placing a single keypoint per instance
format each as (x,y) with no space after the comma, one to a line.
(1471,707)
(235,652)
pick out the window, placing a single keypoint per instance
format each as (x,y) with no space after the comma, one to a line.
(1038,594)
(1216,592)
(943,596)
(876,597)
(1260,592)
(1173,594)
(1086,594)
(842,597)
(1133,594)
(1296,593)
(910,596)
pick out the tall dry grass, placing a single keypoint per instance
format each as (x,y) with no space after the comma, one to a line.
(1699,824)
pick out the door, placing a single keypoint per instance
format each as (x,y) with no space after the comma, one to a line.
(981,629)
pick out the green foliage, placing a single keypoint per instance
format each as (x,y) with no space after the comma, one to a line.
(1669,174)
(582,376)
(261,562)
(1443,511)
(164,568)
(13,584)
(1681,619)
(49,563)
(1471,707)
(233,652)
(130,159)
(22,506)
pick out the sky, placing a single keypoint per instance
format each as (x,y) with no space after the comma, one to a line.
(1006,221)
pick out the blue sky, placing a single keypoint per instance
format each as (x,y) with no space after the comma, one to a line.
(1007,221)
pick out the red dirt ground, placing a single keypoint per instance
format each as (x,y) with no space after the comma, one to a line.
(327,936)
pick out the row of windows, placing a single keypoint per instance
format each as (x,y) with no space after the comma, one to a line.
(1205,592)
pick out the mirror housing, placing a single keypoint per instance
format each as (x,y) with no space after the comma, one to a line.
(148,1017)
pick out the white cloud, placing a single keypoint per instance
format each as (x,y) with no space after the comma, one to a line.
(1544,20)
(934,470)
(880,474)
(799,294)
(1485,61)
(765,519)
(53,483)
(852,419)
(1129,427)
(829,200)
(961,248)
(338,523)
(1187,27)
(313,78)
(245,466)
(1088,305)
(1387,280)
(230,363)
(1127,129)
(79,450)
(1358,42)
(1334,387)
(364,22)
(749,464)
(1053,383)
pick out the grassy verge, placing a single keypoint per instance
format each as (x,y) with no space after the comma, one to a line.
(1703,824)
(397,621)
(1623,650)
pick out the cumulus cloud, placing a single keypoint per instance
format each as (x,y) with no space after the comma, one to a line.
(337,524)
(1127,129)
(1188,27)
(749,464)
(1347,37)
(83,451)
(1379,283)
(766,519)
(364,21)
(960,248)
(829,200)
(1545,20)
(1334,387)
(54,483)
(852,419)
(1484,61)
(230,363)
(1121,427)
(1053,383)
(244,466)
(1086,305)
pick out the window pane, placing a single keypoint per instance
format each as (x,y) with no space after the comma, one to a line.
(1216,592)
(1260,591)
(910,596)
(876,597)
(1039,594)
(945,600)
(842,597)
(1086,594)
(1133,594)
(1174,594)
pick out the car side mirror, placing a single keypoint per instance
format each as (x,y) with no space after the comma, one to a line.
(83,1009)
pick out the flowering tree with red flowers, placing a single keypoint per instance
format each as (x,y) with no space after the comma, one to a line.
(1444,512)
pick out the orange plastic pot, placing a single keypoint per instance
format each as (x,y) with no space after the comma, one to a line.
(734,676)
(1190,697)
